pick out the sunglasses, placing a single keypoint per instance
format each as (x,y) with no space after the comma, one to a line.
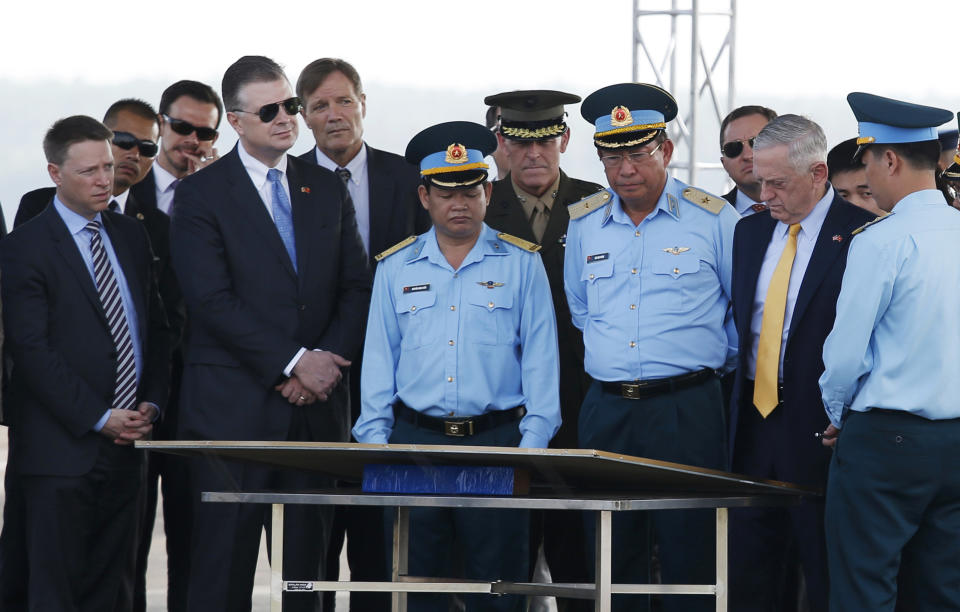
(185,129)
(735,147)
(268,112)
(126,140)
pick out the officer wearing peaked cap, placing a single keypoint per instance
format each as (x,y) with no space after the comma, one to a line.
(531,202)
(890,384)
(647,276)
(461,348)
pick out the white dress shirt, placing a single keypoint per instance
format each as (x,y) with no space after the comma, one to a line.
(164,183)
(358,186)
(806,239)
(121,201)
(745,204)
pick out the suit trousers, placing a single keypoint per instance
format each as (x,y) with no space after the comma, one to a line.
(894,484)
(225,538)
(80,533)
(488,543)
(685,426)
(767,541)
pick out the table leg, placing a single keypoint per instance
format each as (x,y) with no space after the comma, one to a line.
(722,543)
(276,561)
(401,549)
(603,567)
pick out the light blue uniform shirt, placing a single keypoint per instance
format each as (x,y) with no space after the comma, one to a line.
(76,225)
(895,342)
(652,299)
(461,343)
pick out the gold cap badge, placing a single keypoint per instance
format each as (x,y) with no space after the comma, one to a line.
(456,154)
(620,116)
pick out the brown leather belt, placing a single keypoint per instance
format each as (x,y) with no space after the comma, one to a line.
(458,427)
(655,386)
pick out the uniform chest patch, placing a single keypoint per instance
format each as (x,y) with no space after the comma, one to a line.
(416,288)
(490,284)
(598,257)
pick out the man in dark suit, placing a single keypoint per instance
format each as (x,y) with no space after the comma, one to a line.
(383,187)
(787,267)
(81,309)
(737,132)
(531,203)
(134,146)
(277,289)
(190,113)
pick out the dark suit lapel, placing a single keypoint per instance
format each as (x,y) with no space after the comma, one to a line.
(128,264)
(68,250)
(757,241)
(825,252)
(247,200)
(505,212)
(382,190)
(305,211)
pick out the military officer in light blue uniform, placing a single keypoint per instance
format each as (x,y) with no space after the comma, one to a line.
(461,348)
(647,275)
(890,385)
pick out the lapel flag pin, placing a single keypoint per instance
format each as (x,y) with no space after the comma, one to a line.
(304,190)
(838,238)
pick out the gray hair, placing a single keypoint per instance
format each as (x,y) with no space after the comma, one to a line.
(805,140)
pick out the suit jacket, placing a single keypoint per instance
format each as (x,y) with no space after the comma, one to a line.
(146,191)
(64,359)
(395,209)
(249,310)
(504,213)
(803,458)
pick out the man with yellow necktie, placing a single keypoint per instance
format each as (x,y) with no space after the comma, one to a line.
(787,268)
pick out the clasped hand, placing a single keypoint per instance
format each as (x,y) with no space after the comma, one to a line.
(314,377)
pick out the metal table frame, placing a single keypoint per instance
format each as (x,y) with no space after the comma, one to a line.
(604,506)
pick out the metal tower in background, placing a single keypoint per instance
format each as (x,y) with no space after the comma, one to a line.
(687,19)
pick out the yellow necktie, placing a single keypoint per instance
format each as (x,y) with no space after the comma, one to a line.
(771,329)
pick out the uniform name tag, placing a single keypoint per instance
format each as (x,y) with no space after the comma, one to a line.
(416,288)
(598,257)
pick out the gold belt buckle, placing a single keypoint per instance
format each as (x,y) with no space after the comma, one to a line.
(458,429)
(630,391)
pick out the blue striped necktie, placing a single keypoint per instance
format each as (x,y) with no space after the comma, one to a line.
(282,215)
(125,390)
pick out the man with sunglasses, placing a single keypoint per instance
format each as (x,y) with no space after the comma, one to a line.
(647,278)
(737,131)
(277,288)
(189,116)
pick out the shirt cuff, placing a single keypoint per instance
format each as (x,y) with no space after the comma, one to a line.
(288,371)
(532,440)
(102,421)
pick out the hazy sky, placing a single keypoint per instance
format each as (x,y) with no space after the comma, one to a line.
(431,60)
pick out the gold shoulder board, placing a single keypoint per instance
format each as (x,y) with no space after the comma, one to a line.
(869,223)
(589,204)
(526,245)
(704,200)
(403,243)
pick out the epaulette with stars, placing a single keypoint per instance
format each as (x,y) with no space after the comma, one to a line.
(526,245)
(869,223)
(589,204)
(397,247)
(704,200)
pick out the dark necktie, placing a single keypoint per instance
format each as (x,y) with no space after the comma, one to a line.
(344,175)
(113,206)
(282,214)
(125,390)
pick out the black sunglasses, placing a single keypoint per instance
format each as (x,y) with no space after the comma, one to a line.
(268,112)
(735,147)
(126,140)
(185,129)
